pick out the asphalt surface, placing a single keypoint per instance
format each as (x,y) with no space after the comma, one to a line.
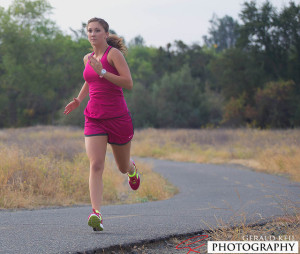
(208,195)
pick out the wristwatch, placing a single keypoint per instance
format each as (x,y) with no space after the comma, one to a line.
(103,71)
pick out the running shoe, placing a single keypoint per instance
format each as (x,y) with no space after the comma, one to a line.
(134,179)
(95,221)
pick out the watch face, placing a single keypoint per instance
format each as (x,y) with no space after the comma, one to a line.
(103,71)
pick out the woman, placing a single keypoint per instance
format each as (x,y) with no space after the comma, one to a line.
(107,118)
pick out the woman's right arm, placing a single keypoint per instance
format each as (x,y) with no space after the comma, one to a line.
(82,94)
(76,101)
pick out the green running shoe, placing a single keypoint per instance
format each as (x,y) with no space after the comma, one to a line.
(95,221)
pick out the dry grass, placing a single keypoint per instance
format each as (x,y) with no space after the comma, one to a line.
(271,151)
(283,228)
(47,166)
(279,229)
(237,229)
(34,160)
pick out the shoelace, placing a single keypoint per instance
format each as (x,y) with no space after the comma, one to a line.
(133,179)
(98,214)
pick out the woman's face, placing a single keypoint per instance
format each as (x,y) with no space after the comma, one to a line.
(96,33)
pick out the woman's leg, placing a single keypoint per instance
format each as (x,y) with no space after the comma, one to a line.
(122,158)
(96,150)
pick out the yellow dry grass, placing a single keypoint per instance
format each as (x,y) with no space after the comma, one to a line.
(284,228)
(47,166)
(271,151)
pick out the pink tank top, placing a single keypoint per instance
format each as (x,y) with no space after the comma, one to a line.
(106,99)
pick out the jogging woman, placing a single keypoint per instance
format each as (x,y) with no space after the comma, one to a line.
(107,118)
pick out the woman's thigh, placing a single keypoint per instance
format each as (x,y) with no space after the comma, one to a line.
(122,156)
(96,149)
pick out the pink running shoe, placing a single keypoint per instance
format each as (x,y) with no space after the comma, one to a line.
(95,221)
(134,179)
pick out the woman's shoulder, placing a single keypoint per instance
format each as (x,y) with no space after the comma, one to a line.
(114,53)
(85,58)
(113,56)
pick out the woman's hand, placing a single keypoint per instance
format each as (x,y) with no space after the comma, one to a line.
(95,64)
(71,106)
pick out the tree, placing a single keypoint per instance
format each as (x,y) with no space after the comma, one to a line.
(175,99)
(223,33)
(235,72)
(140,59)
(273,36)
(137,41)
(274,105)
(141,106)
(288,34)
(234,113)
(32,16)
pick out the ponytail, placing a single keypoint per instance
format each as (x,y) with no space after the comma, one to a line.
(116,42)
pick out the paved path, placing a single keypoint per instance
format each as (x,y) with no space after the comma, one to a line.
(207,192)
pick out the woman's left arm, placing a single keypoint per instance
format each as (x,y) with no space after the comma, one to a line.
(118,61)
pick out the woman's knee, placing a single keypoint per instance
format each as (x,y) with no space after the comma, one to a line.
(124,168)
(123,171)
(97,166)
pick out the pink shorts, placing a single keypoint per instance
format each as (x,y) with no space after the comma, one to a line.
(119,130)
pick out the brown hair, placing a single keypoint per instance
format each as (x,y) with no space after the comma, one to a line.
(112,40)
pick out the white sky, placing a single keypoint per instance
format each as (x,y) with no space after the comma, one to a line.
(157,21)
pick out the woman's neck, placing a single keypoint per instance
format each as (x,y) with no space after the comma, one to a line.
(100,50)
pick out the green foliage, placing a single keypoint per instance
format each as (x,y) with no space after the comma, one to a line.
(234,114)
(274,104)
(39,65)
(175,100)
(140,103)
(223,33)
(140,59)
(272,37)
(235,72)
(244,74)
(273,107)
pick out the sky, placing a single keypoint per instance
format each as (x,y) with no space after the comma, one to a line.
(159,22)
